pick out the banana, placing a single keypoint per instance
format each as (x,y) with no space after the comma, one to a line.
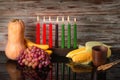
(84,57)
(30,43)
(44,47)
(48,51)
(74,52)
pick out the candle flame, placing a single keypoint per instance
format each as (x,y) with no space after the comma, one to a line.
(44,18)
(68,18)
(63,19)
(75,20)
(38,19)
(57,19)
(49,18)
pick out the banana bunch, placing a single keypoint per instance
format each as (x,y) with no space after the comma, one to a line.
(83,54)
(29,43)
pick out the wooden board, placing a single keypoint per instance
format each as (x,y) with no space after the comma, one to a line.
(95,21)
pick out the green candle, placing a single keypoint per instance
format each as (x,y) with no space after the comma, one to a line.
(63,34)
(63,46)
(75,34)
(75,42)
(69,35)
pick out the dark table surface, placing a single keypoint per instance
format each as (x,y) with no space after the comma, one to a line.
(8,69)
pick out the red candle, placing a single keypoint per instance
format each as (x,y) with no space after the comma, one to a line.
(38,31)
(44,32)
(50,33)
(50,42)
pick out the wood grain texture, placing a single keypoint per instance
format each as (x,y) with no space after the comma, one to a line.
(95,21)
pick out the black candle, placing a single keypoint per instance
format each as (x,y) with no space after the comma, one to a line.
(56,34)
(56,46)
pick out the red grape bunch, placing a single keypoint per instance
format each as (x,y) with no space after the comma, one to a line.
(34,57)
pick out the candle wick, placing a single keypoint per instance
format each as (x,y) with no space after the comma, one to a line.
(38,19)
(75,20)
(49,18)
(44,19)
(68,18)
(63,19)
(57,19)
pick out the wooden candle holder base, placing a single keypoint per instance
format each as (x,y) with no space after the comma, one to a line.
(60,53)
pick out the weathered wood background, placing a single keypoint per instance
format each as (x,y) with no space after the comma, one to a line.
(97,20)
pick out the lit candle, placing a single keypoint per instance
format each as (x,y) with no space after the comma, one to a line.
(56,34)
(63,46)
(75,42)
(63,34)
(50,42)
(75,34)
(44,31)
(56,46)
(69,33)
(38,31)
(50,33)
(69,43)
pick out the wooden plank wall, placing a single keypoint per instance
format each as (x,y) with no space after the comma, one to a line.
(96,20)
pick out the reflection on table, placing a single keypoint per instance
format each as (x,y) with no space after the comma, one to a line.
(17,72)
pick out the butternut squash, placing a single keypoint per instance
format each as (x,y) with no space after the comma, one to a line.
(15,42)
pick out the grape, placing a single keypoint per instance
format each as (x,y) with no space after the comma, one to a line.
(26,62)
(32,54)
(39,58)
(19,61)
(30,64)
(34,57)
(23,60)
(33,66)
(40,65)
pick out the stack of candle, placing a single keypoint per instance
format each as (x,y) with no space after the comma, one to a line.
(56,33)
(69,34)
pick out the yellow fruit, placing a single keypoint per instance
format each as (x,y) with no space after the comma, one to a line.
(30,43)
(74,52)
(83,57)
(48,51)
